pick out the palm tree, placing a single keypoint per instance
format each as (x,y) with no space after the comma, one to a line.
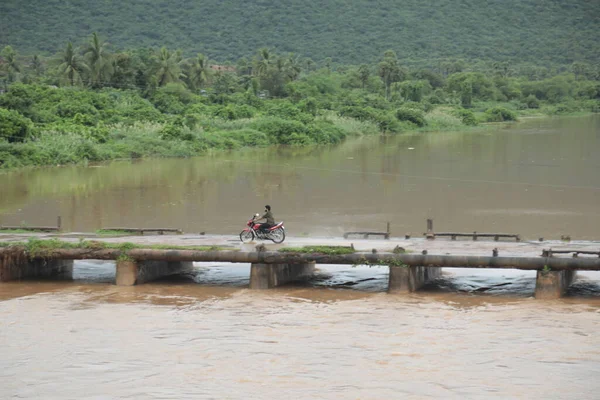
(99,61)
(71,65)
(293,67)
(244,67)
(198,72)
(263,62)
(168,68)
(36,65)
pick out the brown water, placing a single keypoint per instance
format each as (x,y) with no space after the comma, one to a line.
(538,178)
(469,334)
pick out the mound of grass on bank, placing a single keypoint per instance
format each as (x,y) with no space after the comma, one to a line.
(44,247)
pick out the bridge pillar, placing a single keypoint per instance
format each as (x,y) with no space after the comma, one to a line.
(131,272)
(266,276)
(552,284)
(405,279)
(17,267)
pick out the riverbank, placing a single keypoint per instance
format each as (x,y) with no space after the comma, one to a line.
(148,140)
(44,126)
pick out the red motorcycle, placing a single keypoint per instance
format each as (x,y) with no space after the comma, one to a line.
(276,233)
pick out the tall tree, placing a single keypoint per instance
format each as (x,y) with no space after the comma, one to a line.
(364,73)
(99,61)
(262,62)
(11,66)
(198,71)
(72,67)
(293,66)
(390,71)
(36,65)
(168,66)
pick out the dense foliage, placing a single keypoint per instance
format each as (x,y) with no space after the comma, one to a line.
(88,103)
(545,32)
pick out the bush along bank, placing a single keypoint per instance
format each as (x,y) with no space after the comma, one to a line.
(57,117)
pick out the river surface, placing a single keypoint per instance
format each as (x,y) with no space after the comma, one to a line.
(537,178)
(470,334)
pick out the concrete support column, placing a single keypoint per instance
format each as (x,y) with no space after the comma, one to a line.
(21,267)
(266,276)
(410,279)
(552,284)
(133,272)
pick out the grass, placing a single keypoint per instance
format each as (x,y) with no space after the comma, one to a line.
(44,248)
(330,250)
(352,126)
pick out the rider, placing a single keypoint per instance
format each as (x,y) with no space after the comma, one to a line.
(268,216)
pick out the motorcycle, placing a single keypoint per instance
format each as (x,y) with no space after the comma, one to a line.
(276,233)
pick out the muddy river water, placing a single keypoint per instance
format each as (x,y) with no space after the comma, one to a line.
(338,336)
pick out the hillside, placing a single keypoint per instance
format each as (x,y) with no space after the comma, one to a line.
(550,31)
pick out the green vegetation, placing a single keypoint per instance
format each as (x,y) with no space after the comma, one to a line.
(89,104)
(44,247)
(329,250)
(547,32)
(16,231)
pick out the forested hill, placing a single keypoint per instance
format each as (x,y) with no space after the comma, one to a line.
(349,31)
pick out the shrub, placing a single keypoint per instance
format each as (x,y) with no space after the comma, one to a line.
(285,109)
(499,114)
(13,126)
(385,121)
(167,103)
(248,137)
(415,116)
(176,131)
(467,116)
(234,111)
(69,109)
(532,102)
(279,130)
(442,120)
(325,132)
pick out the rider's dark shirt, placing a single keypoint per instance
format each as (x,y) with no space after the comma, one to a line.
(269,217)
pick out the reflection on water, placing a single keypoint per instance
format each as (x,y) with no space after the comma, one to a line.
(538,178)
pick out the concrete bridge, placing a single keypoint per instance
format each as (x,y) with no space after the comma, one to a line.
(271,267)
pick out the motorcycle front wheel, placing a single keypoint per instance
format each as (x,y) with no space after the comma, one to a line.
(246,236)
(278,235)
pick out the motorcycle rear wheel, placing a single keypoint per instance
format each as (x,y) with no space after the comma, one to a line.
(246,236)
(277,236)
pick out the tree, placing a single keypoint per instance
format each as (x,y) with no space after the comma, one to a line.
(10,66)
(327,62)
(501,68)
(364,73)
(293,66)
(36,65)
(72,67)
(390,71)
(123,75)
(168,68)
(466,93)
(13,126)
(98,59)
(262,62)
(198,72)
